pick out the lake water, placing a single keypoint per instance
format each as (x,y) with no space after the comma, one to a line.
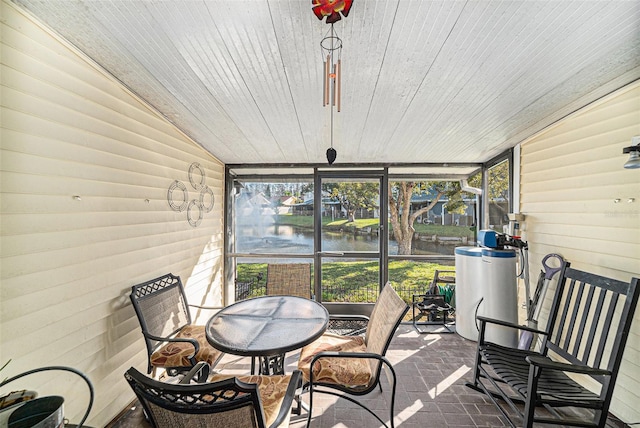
(289,240)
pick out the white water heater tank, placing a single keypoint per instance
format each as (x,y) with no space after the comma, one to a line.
(486,285)
(468,268)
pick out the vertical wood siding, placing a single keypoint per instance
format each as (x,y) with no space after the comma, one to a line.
(67,264)
(571,176)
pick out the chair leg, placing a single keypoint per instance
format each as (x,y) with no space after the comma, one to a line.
(529,410)
(476,368)
(478,362)
(310,411)
(393,396)
(530,405)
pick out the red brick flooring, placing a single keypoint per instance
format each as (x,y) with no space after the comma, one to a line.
(431,369)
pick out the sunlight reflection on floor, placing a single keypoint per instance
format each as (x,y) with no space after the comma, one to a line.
(453,378)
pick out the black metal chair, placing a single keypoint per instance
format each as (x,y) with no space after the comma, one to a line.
(434,305)
(230,402)
(343,365)
(173,342)
(586,333)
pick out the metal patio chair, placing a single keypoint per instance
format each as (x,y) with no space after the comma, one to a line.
(289,279)
(223,401)
(351,365)
(173,342)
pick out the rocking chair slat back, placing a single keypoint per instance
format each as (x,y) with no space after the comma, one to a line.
(589,313)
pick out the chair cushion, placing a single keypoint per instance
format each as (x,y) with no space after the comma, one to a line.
(272,390)
(176,354)
(339,371)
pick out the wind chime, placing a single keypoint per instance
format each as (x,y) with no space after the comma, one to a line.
(331,48)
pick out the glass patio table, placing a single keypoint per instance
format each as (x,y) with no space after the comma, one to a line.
(267,327)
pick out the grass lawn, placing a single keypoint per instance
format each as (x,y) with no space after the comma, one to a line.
(358,281)
(360,223)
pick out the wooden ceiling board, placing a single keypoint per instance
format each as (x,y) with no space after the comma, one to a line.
(423,81)
(414,44)
(364,34)
(479,78)
(298,41)
(173,46)
(447,92)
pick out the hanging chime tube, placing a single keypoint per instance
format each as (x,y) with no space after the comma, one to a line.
(338,74)
(333,85)
(327,66)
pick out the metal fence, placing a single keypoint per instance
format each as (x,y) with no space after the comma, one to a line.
(358,294)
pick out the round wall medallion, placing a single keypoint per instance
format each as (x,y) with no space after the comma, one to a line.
(197,184)
(206,191)
(182,205)
(194,222)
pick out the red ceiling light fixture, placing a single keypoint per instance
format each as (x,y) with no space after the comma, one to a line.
(331,9)
(331,47)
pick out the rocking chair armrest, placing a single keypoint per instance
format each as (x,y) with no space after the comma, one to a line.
(190,340)
(483,319)
(546,363)
(294,383)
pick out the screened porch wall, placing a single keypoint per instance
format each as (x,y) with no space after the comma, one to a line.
(571,177)
(85,172)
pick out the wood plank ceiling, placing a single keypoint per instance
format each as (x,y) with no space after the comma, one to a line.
(423,81)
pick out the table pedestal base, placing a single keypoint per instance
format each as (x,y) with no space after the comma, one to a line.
(272,365)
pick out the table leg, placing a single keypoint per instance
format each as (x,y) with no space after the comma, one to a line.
(272,365)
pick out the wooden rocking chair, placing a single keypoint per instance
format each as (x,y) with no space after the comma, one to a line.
(587,330)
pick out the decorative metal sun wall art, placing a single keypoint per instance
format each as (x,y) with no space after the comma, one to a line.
(196,208)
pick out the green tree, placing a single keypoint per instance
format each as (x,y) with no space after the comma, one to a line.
(353,196)
(401,216)
(305,188)
(497,187)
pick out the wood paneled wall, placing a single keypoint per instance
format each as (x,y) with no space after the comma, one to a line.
(581,203)
(85,172)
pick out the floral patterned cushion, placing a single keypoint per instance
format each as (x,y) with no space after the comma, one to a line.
(272,390)
(175,354)
(341,371)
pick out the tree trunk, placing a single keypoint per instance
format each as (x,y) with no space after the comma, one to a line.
(404,245)
(401,219)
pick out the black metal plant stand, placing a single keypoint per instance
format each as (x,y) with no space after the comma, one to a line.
(434,306)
